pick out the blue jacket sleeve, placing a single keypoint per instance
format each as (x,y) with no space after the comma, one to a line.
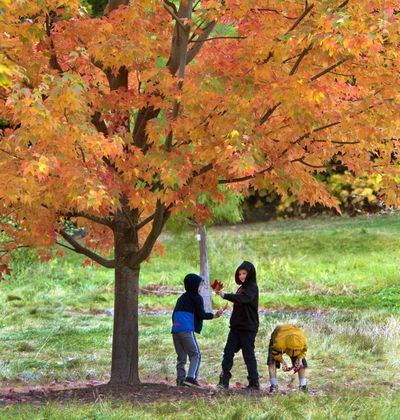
(199,310)
(246,296)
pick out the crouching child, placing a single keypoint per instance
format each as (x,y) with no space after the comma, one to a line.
(290,340)
(187,318)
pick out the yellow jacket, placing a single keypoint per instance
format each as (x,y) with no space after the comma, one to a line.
(290,340)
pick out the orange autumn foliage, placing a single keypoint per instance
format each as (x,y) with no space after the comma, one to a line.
(104,115)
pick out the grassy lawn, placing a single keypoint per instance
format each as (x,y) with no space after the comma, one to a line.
(53,325)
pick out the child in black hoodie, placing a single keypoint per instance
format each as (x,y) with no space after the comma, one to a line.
(243,326)
(187,319)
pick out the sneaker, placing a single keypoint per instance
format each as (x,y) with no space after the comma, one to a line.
(223,382)
(180,382)
(254,385)
(303,388)
(191,382)
(273,389)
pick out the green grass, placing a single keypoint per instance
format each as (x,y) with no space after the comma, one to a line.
(353,358)
(316,263)
(53,325)
(353,405)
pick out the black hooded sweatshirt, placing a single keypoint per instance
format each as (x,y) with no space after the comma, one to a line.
(189,311)
(245,300)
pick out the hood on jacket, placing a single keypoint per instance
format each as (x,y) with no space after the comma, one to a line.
(251,273)
(192,282)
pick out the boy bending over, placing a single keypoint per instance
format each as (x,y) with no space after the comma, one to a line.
(289,340)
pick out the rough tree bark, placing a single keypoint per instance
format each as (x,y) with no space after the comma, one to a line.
(125,353)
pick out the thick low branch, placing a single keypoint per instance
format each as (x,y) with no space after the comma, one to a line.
(80,249)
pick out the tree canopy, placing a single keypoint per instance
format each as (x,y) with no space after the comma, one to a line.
(102,110)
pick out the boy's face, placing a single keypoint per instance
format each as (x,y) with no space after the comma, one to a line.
(201,287)
(242,275)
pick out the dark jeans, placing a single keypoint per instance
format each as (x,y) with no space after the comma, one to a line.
(240,340)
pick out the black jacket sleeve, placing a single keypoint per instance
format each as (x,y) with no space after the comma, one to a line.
(199,309)
(248,294)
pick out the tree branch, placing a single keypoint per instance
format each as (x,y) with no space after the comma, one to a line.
(298,21)
(299,139)
(343,4)
(65,246)
(173,14)
(317,76)
(301,160)
(161,215)
(96,219)
(145,221)
(244,178)
(181,51)
(220,37)
(268,114)
(10,154)
(79,249)
(300,59)
(100,125)
(200,41)
(334,141)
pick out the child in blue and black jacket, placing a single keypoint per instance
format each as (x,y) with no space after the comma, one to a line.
(187,319)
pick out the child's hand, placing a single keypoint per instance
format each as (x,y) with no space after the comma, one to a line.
(285,367)
(219,292)
(297,365)
(218,313)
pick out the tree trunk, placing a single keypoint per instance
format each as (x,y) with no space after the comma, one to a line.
(125,347)
(204,269)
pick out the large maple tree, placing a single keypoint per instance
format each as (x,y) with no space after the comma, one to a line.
(115,123)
